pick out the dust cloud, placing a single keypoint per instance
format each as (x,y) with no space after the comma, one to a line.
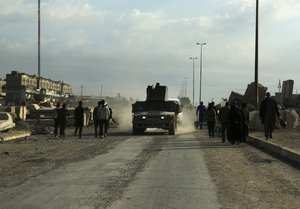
(124,116)
(187,126)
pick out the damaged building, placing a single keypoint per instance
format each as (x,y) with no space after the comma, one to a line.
(22,87)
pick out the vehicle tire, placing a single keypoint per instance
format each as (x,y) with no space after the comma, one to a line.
(134,130)
(172,130)
(137,131)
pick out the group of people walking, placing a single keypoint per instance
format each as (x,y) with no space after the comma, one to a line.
(234,119)
(101,116)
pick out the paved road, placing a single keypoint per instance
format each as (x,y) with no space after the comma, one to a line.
(175,178)
(162,171)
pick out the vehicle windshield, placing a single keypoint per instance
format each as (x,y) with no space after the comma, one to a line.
(159,106)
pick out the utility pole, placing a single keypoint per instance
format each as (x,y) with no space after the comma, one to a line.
(101,91)
(200,86)
(193,58)
(39,44)
(256,58)
(279,86)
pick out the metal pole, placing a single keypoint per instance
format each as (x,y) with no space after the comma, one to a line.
(193,58)
(39,44)
(256,58)
(101,91)
(200,88)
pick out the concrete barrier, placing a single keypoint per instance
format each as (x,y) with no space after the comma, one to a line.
(283,152)
(13,135)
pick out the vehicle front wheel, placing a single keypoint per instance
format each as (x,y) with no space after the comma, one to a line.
(172,130)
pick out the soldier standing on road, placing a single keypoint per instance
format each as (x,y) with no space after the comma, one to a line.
(79,117)
(55,116)
(62,119)
(210,117)
(200,112)
(103,116)
(268,112)
(96,119)
(224,119)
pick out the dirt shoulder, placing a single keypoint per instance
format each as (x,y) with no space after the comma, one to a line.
(247,178)
(31,156)
(289,138)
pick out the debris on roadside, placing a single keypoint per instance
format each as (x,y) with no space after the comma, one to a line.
(41,129)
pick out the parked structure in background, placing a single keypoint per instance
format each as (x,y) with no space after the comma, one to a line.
(21,87)
(285,98)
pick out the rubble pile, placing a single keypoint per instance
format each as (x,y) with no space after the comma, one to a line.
(41,129)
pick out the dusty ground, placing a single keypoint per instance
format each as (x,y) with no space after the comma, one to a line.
(289,138)
(248,178)
(25,158)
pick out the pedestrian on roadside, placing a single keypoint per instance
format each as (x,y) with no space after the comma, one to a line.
(103,116)
(245,113)
(210,117)
(224,120)
(235,124)
(110,115)
(88,113)
(55,117)
(62,119)
(200,112)
(268,112)
(96,119)
(79,117)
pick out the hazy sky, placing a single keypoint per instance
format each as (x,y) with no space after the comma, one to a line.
(125,45)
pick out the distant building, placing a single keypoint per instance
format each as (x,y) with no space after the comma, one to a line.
(22,86)
(2,85)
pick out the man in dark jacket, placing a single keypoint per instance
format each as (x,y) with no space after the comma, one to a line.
(55,116)
(200,112)
(224,119)
(268,112)
(62,114)
(96,119)
(79,117)
(235,124)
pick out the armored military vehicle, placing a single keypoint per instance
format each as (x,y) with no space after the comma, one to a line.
(156,111)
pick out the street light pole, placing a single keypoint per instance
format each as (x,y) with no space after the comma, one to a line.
(256,59)
(200,44)
(39,44)
(193,58)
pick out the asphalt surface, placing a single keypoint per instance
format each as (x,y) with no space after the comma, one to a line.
(150,171)
(175,178)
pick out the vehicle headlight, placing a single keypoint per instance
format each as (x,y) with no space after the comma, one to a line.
(162,117)
(143,117)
